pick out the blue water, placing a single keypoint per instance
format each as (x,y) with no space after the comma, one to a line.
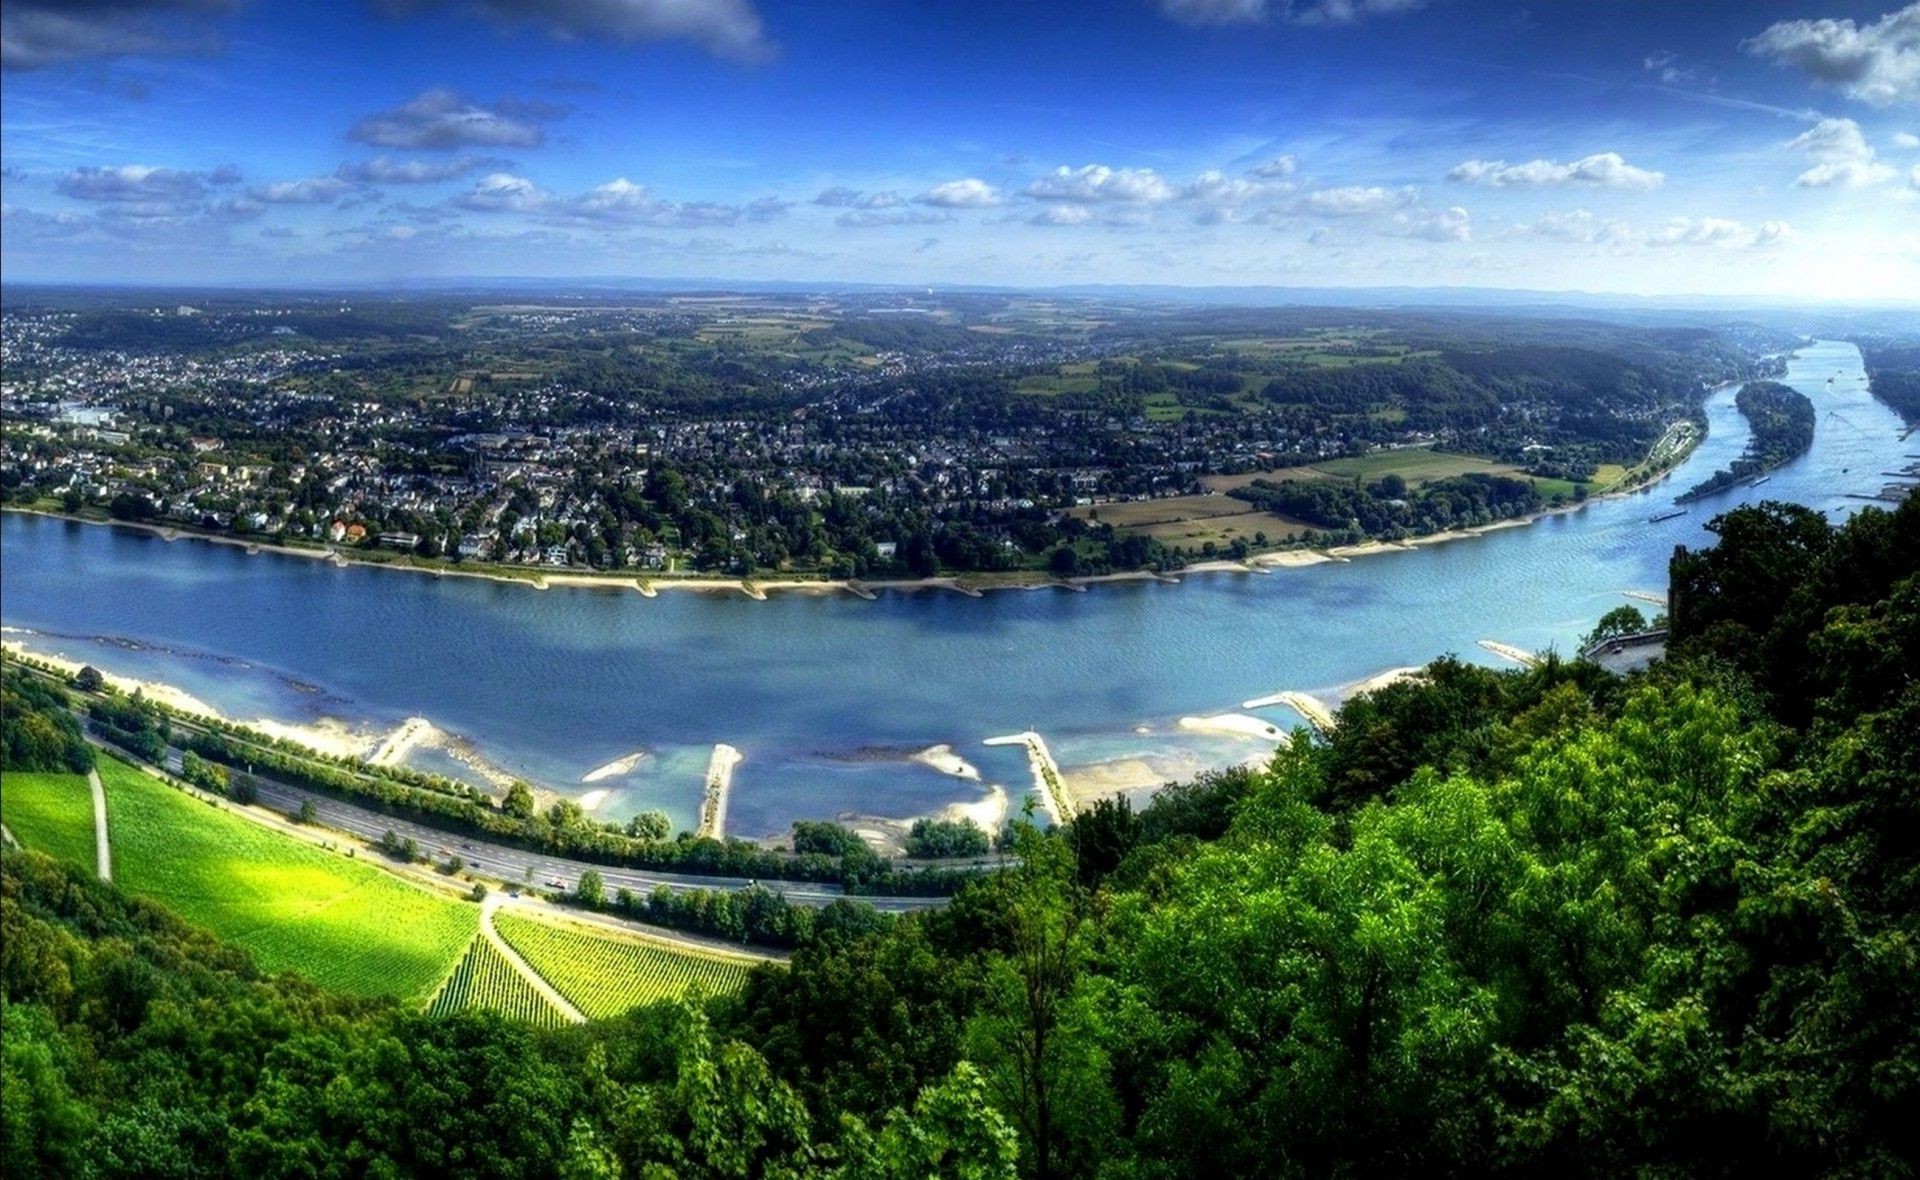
(825,695)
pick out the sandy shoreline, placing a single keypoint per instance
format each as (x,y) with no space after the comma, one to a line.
(325,736)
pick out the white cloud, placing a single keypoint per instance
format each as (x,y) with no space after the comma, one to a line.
(727,28)
(962,194)
(1304,12)
(141,183)
(387,170)
(1721,233)
(842,197)
(1220,191)
(1358,200)
(1842,156)
(767,208)
(866,218)
(1876,63)
(1061,215)
(316,190)
(1600,170)
(1906,140)
(1579,226)
(621,202)
(503,192)
(1453,224)
(442,119)
(1097,183)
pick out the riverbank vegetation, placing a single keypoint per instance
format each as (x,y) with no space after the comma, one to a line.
(1782,421)
(1496,923)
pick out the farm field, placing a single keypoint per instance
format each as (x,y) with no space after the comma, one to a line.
(1134,513)
(606,975)
(1223,530)
(295,907)
(50,813)
(1192,521)
(1416,465)
(484,979)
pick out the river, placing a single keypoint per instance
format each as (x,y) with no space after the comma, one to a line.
(827,695)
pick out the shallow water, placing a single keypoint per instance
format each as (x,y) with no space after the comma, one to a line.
(551,684)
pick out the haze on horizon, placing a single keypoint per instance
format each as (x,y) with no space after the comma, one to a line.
(1769,148)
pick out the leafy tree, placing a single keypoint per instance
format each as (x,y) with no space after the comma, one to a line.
(590,890)
(1621,620)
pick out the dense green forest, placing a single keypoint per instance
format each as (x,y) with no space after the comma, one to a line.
(1389,508)
(37,732)
(1893,369)
(1782,423)
(1527,922)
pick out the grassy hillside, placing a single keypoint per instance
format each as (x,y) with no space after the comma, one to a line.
(295,907)
(50,813)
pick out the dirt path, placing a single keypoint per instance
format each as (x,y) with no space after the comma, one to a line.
(100,826)
(522,966)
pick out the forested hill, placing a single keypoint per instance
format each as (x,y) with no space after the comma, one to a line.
(1524,923)
(1893,368)
(1782,421)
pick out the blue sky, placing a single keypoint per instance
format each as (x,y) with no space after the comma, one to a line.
(1609,145)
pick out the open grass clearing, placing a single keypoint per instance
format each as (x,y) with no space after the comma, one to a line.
(1134,513)
(50,813)
(606,974)
(346,925)
(1224,530)
(1416,465)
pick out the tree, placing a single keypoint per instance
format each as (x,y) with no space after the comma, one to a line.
(1621,620)
(519,801)
(590,890)
(1018,1035)
(650,825)
(307,813)
(89,679)
(952,1133)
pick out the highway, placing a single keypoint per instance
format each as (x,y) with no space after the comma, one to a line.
(516,866)
(512,866)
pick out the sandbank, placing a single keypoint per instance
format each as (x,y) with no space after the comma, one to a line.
(1234,725)
(943,759)
(619,766)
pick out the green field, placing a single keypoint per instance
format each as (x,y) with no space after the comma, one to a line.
(605,976)
(484,979)
(50,813)
(343,924)
(1416,465)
